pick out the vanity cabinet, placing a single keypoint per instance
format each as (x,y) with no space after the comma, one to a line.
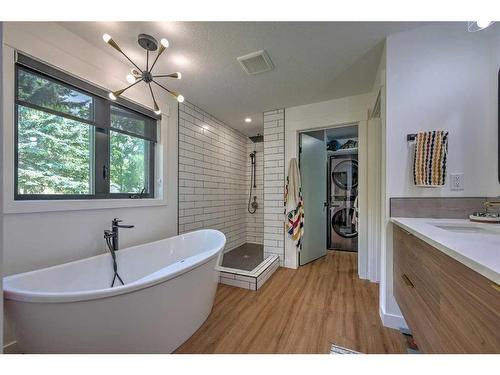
(449,307)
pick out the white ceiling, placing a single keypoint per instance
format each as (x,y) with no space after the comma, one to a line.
(314,61)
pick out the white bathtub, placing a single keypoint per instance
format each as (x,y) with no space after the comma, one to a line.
(70,308)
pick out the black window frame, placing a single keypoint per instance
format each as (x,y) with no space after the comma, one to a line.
(101,122)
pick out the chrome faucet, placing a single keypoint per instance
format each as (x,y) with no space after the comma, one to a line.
(489,204)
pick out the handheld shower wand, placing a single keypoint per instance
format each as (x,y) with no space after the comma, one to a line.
(252,206)
(253,156)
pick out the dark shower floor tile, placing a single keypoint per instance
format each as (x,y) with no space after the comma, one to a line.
(245,257)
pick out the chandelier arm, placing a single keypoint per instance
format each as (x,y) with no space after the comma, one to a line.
(113,44)
(156,59)
(164,88)
(129,86)
(128,58)
(163,76)
(152,95)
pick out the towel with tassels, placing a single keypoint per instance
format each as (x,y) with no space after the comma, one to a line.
(294,204)
(431,150)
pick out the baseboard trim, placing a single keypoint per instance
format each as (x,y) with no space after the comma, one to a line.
(392,320)
(12,348)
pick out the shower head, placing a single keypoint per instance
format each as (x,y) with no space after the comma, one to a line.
(257,138)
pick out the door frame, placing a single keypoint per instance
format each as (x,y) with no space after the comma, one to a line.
(362,189)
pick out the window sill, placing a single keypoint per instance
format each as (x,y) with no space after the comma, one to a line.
(22,207)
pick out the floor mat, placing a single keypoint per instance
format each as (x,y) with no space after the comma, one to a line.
(335,349)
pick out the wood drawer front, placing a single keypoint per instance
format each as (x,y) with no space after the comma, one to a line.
(398,245)
(416,288)
(422,317)
(450,308)
(421,263)
(470,310)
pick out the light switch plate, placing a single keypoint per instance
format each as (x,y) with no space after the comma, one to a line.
(456,181)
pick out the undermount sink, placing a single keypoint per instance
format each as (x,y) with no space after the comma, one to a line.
(470,228)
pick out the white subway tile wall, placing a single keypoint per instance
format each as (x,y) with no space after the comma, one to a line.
(213,171)
(255,222)
(274,182)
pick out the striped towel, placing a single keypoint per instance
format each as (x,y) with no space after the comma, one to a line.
(294,204)
(431,149)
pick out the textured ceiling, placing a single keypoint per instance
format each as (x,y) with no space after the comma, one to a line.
(314,61)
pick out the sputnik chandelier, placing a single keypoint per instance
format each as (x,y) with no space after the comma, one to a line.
(138,75)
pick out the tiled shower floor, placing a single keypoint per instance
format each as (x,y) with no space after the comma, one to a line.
(245,257)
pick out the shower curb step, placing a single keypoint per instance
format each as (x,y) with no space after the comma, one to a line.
(249,280)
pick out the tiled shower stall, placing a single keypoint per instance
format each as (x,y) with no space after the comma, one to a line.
(214,188)
(214,178)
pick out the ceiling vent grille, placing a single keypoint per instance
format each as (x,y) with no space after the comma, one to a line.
(256,62)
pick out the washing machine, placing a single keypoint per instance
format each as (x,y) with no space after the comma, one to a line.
(343,190)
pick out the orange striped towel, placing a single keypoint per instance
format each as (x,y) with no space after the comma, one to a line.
(431,149)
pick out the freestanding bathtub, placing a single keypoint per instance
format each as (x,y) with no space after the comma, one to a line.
(70,308)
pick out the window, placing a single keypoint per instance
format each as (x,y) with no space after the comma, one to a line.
(72,143)
(129,164)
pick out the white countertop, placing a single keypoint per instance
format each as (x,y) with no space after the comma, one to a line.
(478,251)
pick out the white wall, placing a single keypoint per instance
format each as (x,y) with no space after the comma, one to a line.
(40,239)
(443,81)
(440,77)
(349,110)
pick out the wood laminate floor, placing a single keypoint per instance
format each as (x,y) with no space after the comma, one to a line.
(299,311)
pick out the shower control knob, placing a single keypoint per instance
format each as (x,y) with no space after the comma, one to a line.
(254,204)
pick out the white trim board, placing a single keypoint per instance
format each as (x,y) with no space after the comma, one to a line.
(391,320)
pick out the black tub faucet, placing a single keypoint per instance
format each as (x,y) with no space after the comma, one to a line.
(114,230)
(111,237)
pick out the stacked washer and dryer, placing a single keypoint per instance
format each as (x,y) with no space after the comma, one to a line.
(342,193)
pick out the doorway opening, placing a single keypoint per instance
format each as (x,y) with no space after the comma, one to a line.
(328,162)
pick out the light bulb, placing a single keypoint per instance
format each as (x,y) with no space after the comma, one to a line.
(157,110)
(483,24)
(180,98)
(248,120)
(179,75)
(112,96)
(130,78)
(164,42)
(135,72)
(106,37)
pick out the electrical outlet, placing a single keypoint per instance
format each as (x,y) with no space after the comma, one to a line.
(456,181)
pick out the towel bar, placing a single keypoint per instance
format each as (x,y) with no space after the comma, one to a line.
(410,137)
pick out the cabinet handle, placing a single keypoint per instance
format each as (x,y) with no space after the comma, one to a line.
(496,287)
(407,280)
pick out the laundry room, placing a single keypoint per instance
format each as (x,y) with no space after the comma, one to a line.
(328,162)
(342,186)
